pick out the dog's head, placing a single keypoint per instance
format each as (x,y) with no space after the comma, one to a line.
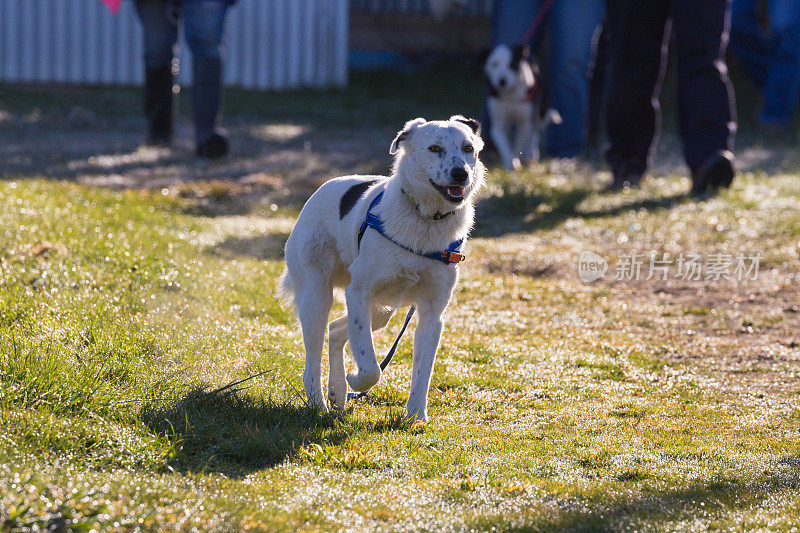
(438,161)
(506,67)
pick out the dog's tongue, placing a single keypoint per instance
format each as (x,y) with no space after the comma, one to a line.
(455,191)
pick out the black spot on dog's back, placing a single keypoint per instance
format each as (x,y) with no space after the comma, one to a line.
(352,195)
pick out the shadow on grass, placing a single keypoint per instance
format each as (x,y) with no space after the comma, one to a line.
(520,210)
(663,202)
(708,502)
(234,434)
(261,247)
(523,210)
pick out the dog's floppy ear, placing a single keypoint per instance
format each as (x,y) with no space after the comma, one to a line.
(473,124)
(518,53)
(403,134)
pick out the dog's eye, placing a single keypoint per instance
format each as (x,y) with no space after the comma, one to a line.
(435,148)
(468,148)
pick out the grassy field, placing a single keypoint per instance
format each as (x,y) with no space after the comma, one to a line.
(150,379)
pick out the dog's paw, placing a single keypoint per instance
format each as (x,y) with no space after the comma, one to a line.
(416,415)
(364,380)
(322,407)
(317,401)
(338,399)
(517,164)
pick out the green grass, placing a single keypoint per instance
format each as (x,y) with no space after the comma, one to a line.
(370,99)
(128,320)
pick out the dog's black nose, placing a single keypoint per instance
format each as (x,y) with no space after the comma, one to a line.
(502,82)
(459,175)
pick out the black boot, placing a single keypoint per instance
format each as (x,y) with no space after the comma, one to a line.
(627,172)
(715,173)
(158,103)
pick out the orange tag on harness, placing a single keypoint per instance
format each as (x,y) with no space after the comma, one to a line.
(454,257)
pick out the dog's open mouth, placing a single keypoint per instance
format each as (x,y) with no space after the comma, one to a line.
(451,193)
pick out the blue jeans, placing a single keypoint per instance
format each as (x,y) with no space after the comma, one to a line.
(572,25)
(772,61)
(203,23)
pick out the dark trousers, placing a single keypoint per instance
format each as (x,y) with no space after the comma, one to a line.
(203,22)
(640,36)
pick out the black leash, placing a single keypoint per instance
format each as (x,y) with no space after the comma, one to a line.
(390,353)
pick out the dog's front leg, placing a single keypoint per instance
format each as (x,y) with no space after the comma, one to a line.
(359,327)
(337,337)
(426,343)
(500,140)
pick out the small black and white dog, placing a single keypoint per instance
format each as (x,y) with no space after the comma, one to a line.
(514,105)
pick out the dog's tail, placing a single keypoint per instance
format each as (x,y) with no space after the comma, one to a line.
(286,287)
(551,116)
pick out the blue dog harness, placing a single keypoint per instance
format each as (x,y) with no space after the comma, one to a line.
(452,255)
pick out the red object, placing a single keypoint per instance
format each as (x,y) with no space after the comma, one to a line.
(537,21)
(112,5)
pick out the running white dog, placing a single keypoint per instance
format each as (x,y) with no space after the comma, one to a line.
(391,241)
(514,105)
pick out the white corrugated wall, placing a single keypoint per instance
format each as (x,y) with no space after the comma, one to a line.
(271,44)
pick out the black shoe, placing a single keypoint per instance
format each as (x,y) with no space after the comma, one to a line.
(716,173)
(214,147)
(628,173)
(158,105)
(156,140)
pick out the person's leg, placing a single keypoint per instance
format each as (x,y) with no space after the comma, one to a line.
(203,23)
(511,20)
(748,41)
(160,36)
(638,42)
(782,86)
(572,25)
(601,65)
(705,95)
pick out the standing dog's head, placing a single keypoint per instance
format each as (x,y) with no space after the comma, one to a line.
(509,70)
(438,161)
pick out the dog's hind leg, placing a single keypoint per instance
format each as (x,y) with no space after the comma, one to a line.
(337,338)
(314,299)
